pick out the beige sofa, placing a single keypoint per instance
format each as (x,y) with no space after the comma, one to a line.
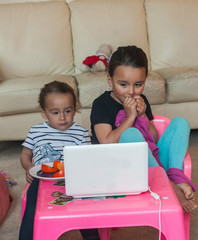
(45,41)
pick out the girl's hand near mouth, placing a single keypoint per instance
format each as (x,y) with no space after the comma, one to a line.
(130,107)
(141,106)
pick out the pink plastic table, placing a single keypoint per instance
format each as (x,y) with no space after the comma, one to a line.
(138,210)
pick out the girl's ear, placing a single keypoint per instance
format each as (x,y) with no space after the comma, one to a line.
(109,80)
(43,114)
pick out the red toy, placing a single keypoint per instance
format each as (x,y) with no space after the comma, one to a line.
(98,62)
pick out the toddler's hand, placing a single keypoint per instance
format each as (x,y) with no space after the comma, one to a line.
(141,106)
(29,178)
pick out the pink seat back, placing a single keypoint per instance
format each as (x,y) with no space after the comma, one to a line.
(160,123)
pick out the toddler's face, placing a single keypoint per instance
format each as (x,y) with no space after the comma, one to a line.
(127,81)
(59,110)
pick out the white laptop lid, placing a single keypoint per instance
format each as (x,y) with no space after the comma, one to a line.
(106,169)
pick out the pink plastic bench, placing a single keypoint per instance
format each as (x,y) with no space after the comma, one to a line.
(51,221)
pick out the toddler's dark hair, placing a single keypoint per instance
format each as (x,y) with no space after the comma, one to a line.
(128,56)
(55,87)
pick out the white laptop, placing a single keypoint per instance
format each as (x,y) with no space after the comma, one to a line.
(106,169)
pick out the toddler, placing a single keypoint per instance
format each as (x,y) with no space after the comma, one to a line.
(45,142)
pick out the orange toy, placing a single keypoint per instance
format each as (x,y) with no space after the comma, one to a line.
(48,169)
(59,174)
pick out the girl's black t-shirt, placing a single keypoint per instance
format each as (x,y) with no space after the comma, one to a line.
(105,110)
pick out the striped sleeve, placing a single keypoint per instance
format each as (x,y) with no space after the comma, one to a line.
(86,138)
(29,141)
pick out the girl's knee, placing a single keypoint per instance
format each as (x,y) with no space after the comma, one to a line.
(180,119)
(181,122)
(131,135)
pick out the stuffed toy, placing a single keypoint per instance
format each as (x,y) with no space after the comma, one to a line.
(98,62)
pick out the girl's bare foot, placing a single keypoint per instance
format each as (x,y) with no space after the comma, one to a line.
(187,204)
(187,190)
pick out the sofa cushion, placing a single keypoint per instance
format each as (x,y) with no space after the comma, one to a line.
(113,22)
(21,95)
(35,39)
(182,84)
(91,85)
(172,32)
(155,88)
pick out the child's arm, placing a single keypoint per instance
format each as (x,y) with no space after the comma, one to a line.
(104,131)
(26,162)
(153,130)
(105,134)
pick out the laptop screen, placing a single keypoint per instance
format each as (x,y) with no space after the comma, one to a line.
(106,169)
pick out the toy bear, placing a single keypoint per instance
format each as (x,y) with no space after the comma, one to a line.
(100,61)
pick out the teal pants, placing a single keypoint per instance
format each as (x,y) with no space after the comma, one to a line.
(173,143)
